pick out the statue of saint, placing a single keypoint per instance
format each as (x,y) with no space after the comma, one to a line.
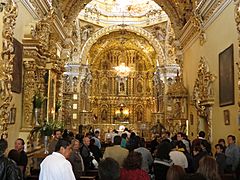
(122,88)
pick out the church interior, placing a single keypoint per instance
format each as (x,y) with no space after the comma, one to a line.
(147,65)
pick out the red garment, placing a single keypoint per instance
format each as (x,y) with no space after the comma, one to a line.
(136,174)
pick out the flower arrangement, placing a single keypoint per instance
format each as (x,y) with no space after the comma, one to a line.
(47,128)
(38,100)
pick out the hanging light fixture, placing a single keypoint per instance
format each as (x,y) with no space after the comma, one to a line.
(122,70)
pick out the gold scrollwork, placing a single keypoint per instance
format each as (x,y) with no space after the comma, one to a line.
(6,61)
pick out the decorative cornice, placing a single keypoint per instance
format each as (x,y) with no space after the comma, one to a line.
(205,14)
(58,26)
(42,7)
(28,5)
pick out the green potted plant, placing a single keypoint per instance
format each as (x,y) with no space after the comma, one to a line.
(46,130)
(37,104)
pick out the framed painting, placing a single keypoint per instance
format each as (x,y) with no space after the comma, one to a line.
(16,84)
(226,77)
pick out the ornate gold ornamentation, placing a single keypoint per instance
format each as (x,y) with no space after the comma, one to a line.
(29,90)
(203,98)
(6,63)
(237,19)
(176,107)
(141,32)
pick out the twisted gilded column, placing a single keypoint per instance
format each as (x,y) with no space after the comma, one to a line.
(29,82)
(6,63)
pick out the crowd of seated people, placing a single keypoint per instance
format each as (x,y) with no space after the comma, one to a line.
(128,158)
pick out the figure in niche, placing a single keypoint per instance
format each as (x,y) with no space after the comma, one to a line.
(104,115)
(160,33)
(139,87)
(139,115)
(122,88)
(86,33)
(104,87)
(177,110)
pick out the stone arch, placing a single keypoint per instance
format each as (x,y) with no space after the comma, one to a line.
(139,31)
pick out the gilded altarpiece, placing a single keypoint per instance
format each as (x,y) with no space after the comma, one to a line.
(115,100)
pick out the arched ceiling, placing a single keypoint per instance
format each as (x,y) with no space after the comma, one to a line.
(122,41)
(178,11)
(160,56)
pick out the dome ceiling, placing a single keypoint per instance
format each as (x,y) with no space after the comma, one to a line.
(128,12)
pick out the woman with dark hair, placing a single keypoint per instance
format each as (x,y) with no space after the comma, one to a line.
(175,172)
(132,168)
(162,162)
(208,168)
(223,143)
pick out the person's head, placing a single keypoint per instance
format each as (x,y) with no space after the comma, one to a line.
(133,161)
(180,136)
(201,134)
(208,168)
(142,142)
(175,172)
(117,140)
(180,145)
(197,149)
(219,148)
(63,147)
(57,134)
(86,141)
(92,141)
(14,155)
(167,134)
(124,135)
(231,139)
(3,146)
(75,144)
(19,144)
(163,150)
(109,169)
(222,142)
(96,133)
(132,135)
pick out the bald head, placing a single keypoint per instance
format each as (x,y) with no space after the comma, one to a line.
(86,141)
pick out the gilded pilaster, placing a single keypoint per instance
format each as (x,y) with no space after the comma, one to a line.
(237,19)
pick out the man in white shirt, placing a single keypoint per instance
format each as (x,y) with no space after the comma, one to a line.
(56,166)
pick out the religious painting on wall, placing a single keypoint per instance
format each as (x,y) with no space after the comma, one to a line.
(16,85)
(226,77)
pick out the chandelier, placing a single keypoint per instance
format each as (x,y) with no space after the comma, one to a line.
(122,70)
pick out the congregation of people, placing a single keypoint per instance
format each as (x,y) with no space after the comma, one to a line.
(126,157)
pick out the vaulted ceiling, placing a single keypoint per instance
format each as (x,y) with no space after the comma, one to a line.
(178,11)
